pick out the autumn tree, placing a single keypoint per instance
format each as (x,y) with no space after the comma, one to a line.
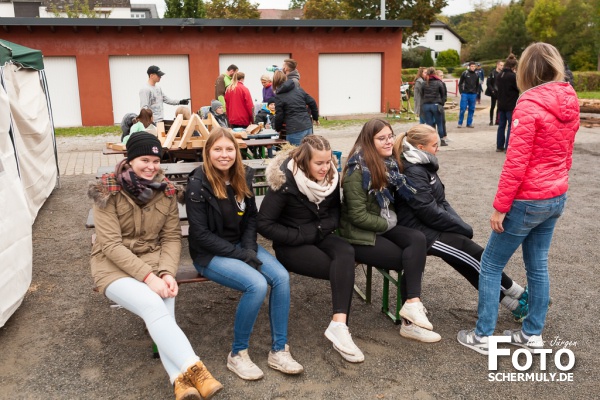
(185,9)
(542,20)
(512,33)
(296,4)
(232,9)
(325,9)
(575,33)
(421,12)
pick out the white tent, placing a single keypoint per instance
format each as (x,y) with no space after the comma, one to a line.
(28,166)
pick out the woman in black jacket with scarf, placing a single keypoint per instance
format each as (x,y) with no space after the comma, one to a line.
(300,213)
(448,236)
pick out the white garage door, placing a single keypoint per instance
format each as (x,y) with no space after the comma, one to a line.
(128,75)
(61,74)
(254,66)
(349,84)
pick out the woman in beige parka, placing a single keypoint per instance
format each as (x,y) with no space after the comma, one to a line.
(136,254)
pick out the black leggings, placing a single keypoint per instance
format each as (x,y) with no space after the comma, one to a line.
(398,249)
(494,100)
(464,255)
(331,259)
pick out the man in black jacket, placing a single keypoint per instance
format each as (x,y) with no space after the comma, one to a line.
(492,90)
(468,86)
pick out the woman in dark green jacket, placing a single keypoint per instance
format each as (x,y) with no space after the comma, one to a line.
(368,221)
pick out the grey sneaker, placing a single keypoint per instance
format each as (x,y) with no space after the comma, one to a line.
(518,339)
(242,366)
(415,313)
(472,341)
(415,332)
(283,361)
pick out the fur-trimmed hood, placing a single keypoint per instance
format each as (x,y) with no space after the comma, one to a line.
(276,170)
(101,189)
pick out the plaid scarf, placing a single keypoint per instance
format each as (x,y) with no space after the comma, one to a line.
(397,182)
(141,190)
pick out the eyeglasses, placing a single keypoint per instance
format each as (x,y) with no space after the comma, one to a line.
(383,139)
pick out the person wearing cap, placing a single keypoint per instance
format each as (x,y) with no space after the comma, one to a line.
(468,86)
(222,82)
(216,109)
(136,254)
(152,97)
(266,114)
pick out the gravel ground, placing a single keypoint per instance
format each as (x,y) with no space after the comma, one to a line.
(66,342)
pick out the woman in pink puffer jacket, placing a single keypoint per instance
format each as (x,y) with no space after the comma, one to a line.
(531,194)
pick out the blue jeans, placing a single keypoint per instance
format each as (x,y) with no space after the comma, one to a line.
(433,117)
(238,275)
(531,224)
(505,118)
(467,100)
(296,137)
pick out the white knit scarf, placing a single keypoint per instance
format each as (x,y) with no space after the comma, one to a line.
(315,191)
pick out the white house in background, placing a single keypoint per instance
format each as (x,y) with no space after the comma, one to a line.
(438,38)
(104,8)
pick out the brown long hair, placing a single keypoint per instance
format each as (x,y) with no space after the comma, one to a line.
(145,117)
(366,142)
(278,79)
(303,154)
(237,172)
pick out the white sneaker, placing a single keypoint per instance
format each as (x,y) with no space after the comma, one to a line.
(412,331)
(342,341)
(415,313)
(283,361)
(242,366)
(353,358)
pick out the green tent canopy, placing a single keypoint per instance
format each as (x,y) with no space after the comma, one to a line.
(29,58)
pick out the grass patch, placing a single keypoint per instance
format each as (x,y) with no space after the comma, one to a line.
(88,131)
(588,95)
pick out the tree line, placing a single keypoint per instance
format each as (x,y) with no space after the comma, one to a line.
(572,26)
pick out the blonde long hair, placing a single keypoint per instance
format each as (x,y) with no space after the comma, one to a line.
(237,77)
(540,63)
(237,172)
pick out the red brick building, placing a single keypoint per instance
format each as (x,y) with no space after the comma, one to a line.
(347,66)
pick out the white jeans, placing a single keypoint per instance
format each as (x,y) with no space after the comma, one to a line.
(175,350)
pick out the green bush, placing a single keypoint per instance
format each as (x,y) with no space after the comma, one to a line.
(447,58)
(427,60)
(587,81)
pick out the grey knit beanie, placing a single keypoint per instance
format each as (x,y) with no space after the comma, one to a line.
(215,104)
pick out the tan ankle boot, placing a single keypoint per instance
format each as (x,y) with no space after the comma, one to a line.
(184,389)
(199,376)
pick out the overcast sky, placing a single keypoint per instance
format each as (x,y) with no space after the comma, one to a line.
(454,6)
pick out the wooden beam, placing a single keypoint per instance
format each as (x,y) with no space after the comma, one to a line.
(240,28)
(29,28)
(75,29)
(140,29)
(161,28)
(348,28)
(364,28)
(97,29)
(314,28)
(5,28)
(119,28)
(295,29)
(258,29)
(276,29)
(221,29)
(181,28)
(200,29)
(381,28)
(52,29)
(330,29)
(173,132)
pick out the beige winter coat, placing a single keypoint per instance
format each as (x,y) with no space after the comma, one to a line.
(133,240)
